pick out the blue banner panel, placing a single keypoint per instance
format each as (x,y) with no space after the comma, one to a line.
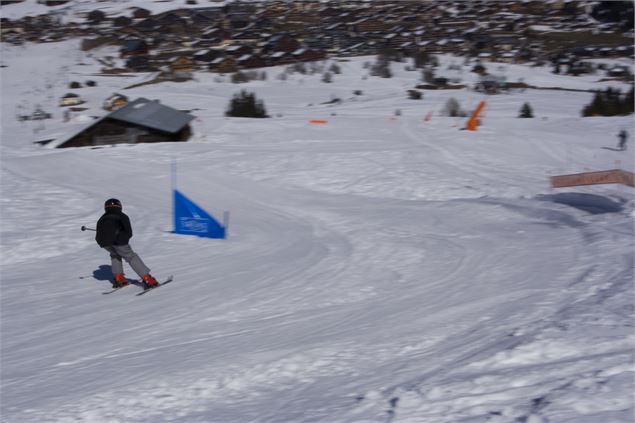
(190,219)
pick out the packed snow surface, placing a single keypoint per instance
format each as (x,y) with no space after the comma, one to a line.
(380,267)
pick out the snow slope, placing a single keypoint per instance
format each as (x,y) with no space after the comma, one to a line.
(76,10)
(379,268)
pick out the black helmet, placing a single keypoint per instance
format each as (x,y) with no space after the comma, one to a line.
(112,202)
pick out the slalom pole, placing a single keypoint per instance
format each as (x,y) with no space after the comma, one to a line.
(173,174)
(173,193)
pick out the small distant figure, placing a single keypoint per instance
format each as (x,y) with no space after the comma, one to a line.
(623,136)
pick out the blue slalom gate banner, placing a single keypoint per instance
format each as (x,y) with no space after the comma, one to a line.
(190,219)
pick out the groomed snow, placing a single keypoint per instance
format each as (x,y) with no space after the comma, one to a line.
(379,268)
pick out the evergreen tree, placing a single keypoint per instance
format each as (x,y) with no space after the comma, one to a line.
(526,111)
(629,103)
(389,54)
(595,107)
(422,59)
(381,68)
(479,69)
(239,77)
(610,102)
(245,104)
(415,95)
(452,108)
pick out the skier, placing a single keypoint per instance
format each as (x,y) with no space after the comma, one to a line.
(623,135)
(113,233)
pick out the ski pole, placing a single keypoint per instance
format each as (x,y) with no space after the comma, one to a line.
(84,228)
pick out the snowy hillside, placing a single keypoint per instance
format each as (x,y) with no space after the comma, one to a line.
(379,268)
(76,10)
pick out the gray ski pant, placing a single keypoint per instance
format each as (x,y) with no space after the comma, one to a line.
(118,252)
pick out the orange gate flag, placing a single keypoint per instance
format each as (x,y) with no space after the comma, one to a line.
(473,123)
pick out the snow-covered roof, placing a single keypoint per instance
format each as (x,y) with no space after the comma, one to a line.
(153,115)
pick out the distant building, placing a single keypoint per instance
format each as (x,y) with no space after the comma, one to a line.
(141,121)
(40,114)
(71,99)
(114,102)
(618,71)
(134,47)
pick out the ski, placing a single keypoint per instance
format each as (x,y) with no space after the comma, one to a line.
(115,289)
(168,280)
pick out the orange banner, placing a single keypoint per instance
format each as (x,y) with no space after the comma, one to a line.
(474,121)
(319,121)
(614,176)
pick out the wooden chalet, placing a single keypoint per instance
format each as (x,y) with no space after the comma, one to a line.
(239,20)
(224,65)
(238,50)
(282,42)
(172,22)
(96,16)
(140,64)
(181,64)
(71,99)
(214,35)
(279,58)
(367,25)
(250,61)
(133,48)
(148,25)
(121,21)
(141,13)
(307,55)
(141,121)
(205,55)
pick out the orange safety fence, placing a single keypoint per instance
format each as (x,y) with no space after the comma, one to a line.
(613,176)
(319,121)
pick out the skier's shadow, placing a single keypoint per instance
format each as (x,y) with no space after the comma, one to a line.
(104,273)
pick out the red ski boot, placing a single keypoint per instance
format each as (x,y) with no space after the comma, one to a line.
(120,280)
(149,281)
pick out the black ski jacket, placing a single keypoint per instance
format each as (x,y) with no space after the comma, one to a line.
(113,228)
